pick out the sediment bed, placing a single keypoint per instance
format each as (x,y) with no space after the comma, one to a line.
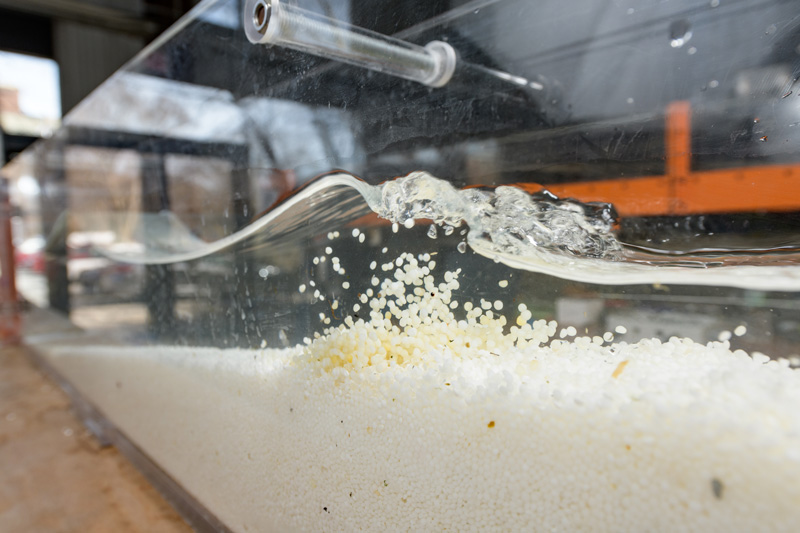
(582,437)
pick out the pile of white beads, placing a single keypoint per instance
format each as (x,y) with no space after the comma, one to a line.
(410,314)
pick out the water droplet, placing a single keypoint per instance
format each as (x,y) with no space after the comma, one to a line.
(432,231)
(462,247)
(680,31)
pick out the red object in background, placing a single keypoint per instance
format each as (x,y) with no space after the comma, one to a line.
(30,254)
(9,308)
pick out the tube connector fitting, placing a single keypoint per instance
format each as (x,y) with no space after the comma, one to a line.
(276,23)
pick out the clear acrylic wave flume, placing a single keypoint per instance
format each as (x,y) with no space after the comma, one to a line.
(537,233)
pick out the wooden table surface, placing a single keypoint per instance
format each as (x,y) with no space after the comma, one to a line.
(54,477)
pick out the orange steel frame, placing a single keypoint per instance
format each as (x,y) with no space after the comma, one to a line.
(681,191)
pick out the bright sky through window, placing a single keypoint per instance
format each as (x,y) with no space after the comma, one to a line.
(37,80)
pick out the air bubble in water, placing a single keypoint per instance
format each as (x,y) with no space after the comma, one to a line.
(462,247)
(432,231)
(680,32)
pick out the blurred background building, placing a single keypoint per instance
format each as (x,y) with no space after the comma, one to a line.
(55,52)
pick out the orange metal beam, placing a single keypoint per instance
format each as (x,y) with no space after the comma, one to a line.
(678,148)
(743,189)
(652,195)
(632,197)
(681,191)
(678,132)
(773,188)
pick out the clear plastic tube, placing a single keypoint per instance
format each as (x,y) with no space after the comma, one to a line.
(273,22)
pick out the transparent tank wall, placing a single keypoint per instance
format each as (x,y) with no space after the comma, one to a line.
(305,342)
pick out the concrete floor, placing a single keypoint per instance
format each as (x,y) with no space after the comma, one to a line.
(54,477)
